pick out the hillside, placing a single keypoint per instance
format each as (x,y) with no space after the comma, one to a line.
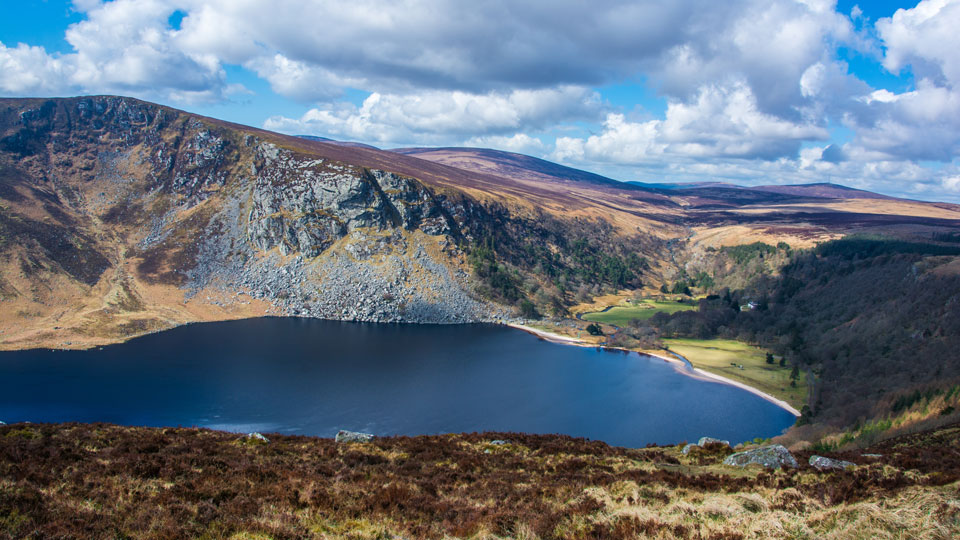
(122,217)
(824,191)
(714,214)
(98,480)
(516,166)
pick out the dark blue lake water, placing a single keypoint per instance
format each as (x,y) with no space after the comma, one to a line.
(315,377)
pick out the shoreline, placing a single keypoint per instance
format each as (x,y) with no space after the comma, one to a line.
(550,336)
(696,372)
(719,378)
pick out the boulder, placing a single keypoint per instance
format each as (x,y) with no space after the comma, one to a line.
(258,437)
(708,440)
(772,457)
(821,463)
(703,442)
(344,436)
(499,442)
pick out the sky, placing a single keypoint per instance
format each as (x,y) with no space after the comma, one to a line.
(751,92)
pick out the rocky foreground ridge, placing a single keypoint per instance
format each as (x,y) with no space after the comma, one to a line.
(156,217)
(100,480)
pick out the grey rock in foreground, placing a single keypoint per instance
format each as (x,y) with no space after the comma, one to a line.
(772,457)
(708,440)
(821,463)
(703,442)
(344,436)
(258,437)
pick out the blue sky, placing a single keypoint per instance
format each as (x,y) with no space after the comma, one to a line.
(744,91)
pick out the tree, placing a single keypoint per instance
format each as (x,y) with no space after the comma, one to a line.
(770,358)
(680,287)
(806,416)
(528,310)
(557,307)
(594,330)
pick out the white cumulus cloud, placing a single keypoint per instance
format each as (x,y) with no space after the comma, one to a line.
(124,47)
(431,116)
(520,143)
(718,122)
(926,38)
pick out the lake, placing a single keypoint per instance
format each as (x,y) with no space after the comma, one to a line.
(314,377)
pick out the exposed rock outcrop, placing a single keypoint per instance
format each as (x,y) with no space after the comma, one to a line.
(772,457)
(344,436)
(336,241)
(304,206)
(256,438)
(821,463)
(710,440)
(703,442)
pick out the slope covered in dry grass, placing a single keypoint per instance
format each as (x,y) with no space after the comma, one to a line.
(106,481)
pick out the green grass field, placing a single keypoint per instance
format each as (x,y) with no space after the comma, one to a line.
(643,310)
(716,355)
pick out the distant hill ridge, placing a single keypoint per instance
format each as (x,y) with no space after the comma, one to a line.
(502,162)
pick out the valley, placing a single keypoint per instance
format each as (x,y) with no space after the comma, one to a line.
(122,218)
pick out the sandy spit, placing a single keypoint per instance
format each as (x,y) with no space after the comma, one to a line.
(681,366)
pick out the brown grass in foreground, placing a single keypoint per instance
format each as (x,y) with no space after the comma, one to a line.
(106,481)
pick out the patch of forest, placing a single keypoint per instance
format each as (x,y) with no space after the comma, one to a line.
(872,321)
(539,264)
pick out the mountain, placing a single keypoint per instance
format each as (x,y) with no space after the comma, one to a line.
(682,185)
(511,165)
(823,190)
(341,143)
(710,213)
(122,217)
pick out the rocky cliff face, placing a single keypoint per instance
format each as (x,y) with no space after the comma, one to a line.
(166,217)
(304,206)
(334,240)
